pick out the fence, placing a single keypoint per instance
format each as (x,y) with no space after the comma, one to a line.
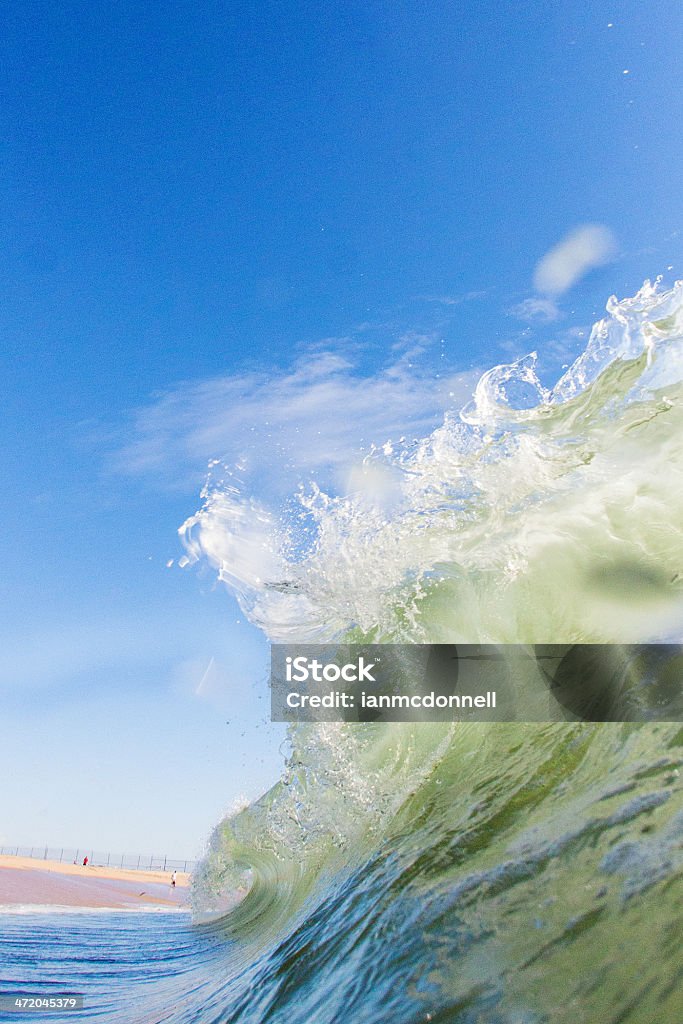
(131,861)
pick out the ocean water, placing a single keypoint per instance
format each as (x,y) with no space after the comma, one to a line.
(503,873)
(112,959)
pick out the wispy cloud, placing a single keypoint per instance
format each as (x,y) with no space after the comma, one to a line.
(452,300)
(317,416)
(537,310)
(583,249)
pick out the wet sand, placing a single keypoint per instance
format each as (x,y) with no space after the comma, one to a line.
(25,882)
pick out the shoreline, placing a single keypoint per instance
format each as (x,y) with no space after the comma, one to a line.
(27,883)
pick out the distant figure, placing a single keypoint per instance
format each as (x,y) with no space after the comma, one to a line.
(173,879)
(85,862)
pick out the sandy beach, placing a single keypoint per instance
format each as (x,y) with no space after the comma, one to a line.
(27,882)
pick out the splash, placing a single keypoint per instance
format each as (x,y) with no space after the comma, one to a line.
(531,515)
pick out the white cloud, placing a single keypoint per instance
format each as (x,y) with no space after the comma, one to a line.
(453,300)
(315,417)
(536,309)
(586,247)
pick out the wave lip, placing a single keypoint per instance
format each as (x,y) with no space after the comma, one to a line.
(550,517)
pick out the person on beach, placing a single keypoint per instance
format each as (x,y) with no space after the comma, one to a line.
(173,879)
(85,862)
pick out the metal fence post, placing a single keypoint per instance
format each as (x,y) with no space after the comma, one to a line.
(43,852)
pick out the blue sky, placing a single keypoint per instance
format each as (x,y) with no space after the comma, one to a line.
(217,219)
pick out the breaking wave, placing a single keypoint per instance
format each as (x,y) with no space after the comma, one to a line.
(469,872)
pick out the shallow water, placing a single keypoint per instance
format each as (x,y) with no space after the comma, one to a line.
(113,960)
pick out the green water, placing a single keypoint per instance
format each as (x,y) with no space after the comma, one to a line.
(510,874)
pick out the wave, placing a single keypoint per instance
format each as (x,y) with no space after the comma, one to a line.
(471,871)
